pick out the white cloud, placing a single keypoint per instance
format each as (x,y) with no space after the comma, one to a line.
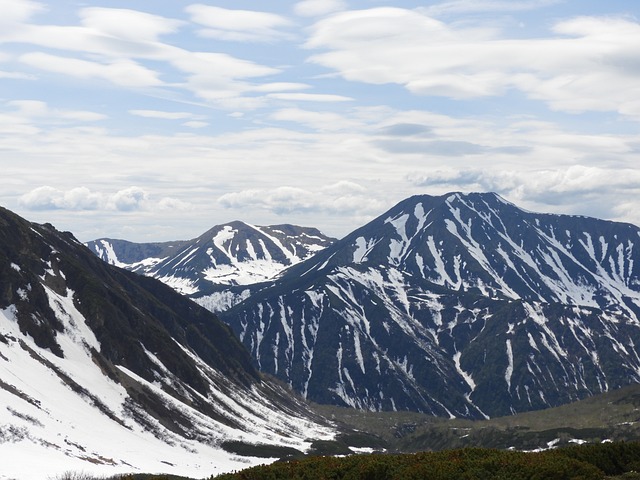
(49,198)
(589,64)
(344,198)
(316,8)
(220,66)
(337,178)
(161,114)
(234,36)
(335,144)
(569,185)
(485,6)
(196,124)
(124,73)
(322,121)
(168,203)
(132,198)
(82,198)
(16,12)
(279,87)
(221,79)
(123,47)
(343,187)
(309,97)
(38,110)
(238,25)
(127,24)
(41,198)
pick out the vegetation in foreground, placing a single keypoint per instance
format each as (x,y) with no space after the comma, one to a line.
(137,476)
(585,462)
(613,461)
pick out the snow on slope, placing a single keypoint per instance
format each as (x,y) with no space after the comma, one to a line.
(106,372)
(61,414)
(460,304)
(233,254)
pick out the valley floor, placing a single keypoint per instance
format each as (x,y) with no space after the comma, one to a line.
(613,416)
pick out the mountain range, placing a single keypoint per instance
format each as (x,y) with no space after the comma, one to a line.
(103,370)
(461,305)
(235,253)
(216,267)
(457,305)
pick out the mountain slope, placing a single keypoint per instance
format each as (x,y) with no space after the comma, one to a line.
(459,305)
(107,371)
(230,255)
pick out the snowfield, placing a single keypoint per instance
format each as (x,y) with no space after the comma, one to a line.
(64,414)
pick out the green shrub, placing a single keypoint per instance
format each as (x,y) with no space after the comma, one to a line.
(612,458)
(70,475)
(572,463)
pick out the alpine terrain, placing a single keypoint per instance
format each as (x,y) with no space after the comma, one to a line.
(460,305)
(217,268)
(106,371)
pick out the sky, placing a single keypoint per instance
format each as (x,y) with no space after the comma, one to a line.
(154,121)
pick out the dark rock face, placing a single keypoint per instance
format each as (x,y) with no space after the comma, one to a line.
(460,305)
(125,311)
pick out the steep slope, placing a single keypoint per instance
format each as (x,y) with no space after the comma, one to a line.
(459,305)
(235,254)
(107,371)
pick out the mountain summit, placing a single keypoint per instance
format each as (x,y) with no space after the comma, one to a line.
(107,371)
(455,305)
(233,254)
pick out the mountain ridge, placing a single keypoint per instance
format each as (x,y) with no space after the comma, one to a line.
(437,277)
(107,371)
(443,278)
(234,254)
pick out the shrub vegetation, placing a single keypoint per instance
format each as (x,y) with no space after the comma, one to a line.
(586,462)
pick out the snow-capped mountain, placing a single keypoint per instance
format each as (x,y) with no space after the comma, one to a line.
(458,305)
(235,254)
(105,371)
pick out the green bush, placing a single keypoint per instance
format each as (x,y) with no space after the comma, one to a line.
(71,475)
(612,458)
(589,462)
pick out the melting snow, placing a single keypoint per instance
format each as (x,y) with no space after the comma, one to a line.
(509,371)
(398,247)
(466,376)
(47,428)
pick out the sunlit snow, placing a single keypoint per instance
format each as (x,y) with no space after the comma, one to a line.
(47,427)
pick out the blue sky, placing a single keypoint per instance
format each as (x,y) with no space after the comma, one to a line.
(154,121)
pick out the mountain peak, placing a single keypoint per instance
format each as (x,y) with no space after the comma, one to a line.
(459,304)
(234,253)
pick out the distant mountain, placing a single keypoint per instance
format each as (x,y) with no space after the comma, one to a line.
(457,305)
(231,255)
(106,371)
